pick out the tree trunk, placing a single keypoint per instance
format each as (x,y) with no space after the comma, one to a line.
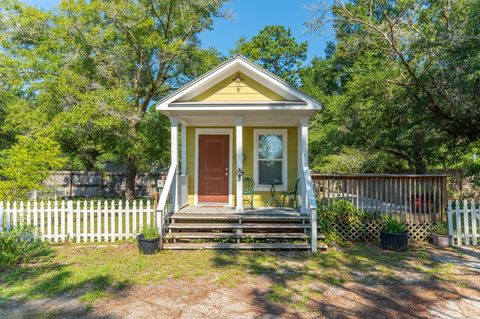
(130,176)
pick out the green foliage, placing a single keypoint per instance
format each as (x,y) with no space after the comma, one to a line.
(441,228)
(349,161)
(393,224)
(339,212)
(89,73)
(389,84)
(276,50)
(26,164)
(19,246)
(150,232)
(473,171)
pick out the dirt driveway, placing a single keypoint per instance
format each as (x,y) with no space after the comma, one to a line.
(445,284)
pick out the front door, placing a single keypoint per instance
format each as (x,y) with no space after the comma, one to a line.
(213,163)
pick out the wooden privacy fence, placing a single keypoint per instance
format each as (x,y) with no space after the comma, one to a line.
(464,222)
(415,198)
(86,221)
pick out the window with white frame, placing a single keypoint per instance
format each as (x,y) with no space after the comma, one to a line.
(270,158)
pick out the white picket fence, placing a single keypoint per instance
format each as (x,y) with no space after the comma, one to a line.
(79,221)
(464,222)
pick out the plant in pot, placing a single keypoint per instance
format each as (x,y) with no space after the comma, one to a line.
(148,240)
(394,235)
(440,236)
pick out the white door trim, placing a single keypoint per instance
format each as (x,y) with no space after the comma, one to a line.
(215,131)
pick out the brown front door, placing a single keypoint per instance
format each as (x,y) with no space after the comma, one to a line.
(213,168)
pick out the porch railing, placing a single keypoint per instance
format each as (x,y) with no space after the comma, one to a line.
(166,202)
(416,198)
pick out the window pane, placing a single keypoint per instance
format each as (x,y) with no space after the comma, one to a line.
(270,171)
(270,146)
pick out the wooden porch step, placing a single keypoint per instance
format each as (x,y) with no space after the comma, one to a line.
(239,246)
(245,217)
(236,226)
(194,235)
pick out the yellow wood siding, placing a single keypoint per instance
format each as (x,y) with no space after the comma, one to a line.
(248,147)
(227,90)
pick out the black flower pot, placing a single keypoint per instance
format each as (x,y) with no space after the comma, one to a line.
(393,241)
(148,246)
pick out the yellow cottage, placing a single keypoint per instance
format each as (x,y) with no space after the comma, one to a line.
(243,145)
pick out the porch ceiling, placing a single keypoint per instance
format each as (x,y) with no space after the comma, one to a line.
(251,117)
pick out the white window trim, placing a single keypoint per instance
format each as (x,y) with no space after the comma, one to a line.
(256,133)
(214,131)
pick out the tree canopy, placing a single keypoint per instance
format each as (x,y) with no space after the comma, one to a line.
(87,72)
(402,79)
(275,49)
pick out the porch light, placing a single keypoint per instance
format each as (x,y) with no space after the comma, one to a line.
(238,82)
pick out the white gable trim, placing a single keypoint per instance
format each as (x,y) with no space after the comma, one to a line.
(230,67)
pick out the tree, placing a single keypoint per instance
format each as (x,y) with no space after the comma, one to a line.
(26,164)
(433,45)
(372,102)
(276,50)
(91,70)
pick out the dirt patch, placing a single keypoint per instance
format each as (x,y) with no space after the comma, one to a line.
(362,282)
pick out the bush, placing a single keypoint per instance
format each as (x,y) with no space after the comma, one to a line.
(441,229)
(339,212)
(150,232)
(473,171)
(19,246)
(393,224)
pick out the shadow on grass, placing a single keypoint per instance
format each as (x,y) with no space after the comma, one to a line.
(362,281)
(49,290)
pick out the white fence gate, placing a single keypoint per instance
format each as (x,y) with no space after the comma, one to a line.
(464,222)
(86,221)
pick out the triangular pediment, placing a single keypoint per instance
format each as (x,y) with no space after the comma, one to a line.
(238,87)
(235,81)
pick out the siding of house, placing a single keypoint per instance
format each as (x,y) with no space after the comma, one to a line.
(248,147)
(227,90)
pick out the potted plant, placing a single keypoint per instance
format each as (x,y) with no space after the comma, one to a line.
(148,240)
(440,236)
(394,235)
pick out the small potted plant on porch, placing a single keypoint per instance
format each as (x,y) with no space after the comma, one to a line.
(440,236)
(394,235)
(148,241)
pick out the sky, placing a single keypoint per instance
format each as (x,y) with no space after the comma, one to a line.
(248,18)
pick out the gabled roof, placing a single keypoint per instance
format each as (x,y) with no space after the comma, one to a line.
(238,63)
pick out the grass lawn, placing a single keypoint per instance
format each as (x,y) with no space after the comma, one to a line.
(281,283)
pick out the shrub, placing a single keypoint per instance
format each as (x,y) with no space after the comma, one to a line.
(393,224)
(339,212)
(150,232)
(441,229)
(19,246)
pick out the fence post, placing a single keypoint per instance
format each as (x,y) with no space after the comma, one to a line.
(450,222)
(466,231)
(77,221)
(474,221)
(70,219)
(458,222)
(35,219)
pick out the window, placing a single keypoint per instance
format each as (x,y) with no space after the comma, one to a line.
(270,159)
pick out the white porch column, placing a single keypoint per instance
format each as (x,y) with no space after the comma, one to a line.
(174,159)
(302,160)
(239,158)
(184,151)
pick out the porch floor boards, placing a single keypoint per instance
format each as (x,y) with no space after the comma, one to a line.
(213,227)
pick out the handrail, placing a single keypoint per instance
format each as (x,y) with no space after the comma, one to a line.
(166,187)
(160,209)
(311,206)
